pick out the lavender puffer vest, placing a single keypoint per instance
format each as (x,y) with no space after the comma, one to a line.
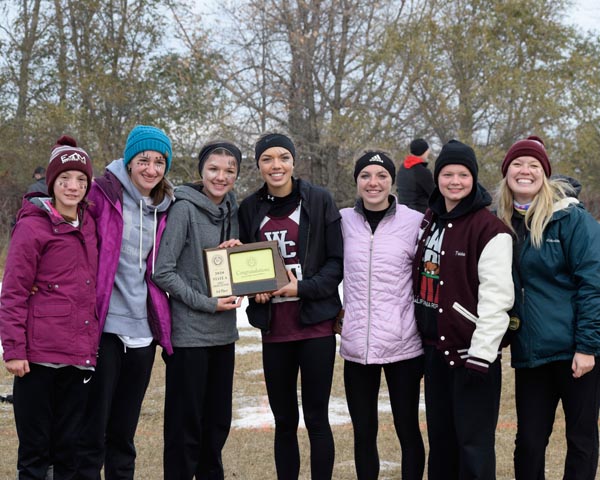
(379,323)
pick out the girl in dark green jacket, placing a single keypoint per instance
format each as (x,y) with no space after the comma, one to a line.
(556,271)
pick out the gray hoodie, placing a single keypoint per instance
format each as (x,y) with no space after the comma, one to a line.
(127,312)
(195,223)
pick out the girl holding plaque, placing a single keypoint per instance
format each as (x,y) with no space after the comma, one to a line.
(379,330)
(296,320)
(556,271)
(129,203)
(199,374)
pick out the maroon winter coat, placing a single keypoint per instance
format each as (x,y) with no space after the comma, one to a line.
(58,323)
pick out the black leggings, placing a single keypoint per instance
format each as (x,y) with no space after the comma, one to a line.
(362,391)
(314,359)
(198,399)
(537,393)
(48,415)
(113,410)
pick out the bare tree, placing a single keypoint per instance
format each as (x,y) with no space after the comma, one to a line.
(493,72)
(23,58)
(320,71)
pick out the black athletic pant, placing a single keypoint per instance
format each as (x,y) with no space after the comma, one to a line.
(362,384)
(314,359)
(197,411)
(462,413)
(48,407)
(537,392)
(113,410)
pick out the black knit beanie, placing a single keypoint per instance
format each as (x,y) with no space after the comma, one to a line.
(456,153)
(273,140)
(375,158)
(418,147)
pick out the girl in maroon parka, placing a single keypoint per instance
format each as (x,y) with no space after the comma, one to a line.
(48,324)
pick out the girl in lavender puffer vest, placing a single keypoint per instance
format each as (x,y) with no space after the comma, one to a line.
(379,330)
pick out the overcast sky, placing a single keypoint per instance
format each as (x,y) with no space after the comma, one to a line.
(586,13)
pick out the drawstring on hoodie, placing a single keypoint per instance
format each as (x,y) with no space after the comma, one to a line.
(154,240)
(154,230)
(141,232)
(228,220)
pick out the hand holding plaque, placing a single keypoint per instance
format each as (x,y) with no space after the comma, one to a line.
(244,269)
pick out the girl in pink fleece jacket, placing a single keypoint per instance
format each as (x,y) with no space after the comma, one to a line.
(48,322)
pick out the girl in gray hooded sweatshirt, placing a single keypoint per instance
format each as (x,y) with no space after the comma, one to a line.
(199,374)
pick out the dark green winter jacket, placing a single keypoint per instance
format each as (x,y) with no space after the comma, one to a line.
(557,289)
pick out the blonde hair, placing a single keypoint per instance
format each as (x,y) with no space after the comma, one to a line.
(540,210)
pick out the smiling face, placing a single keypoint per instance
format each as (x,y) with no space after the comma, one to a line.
(147,169)
(276,166)
(69,189)
(373,185)
(455,183)
(524,177)
(218,176)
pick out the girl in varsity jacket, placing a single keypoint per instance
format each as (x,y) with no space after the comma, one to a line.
(462,291)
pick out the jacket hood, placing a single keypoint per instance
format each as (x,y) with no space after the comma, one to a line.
(412,160)
(35,205)
(565,202)
(118,169)
(571,182)
(478,198)
(559,209)
(194,195)
(221,214)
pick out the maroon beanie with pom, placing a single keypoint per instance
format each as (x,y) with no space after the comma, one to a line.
(67,156)
(530,147)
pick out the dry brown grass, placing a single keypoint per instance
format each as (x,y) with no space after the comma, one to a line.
(248,452)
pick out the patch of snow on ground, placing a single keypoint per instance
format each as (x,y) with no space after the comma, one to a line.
(254,412)
(252,348)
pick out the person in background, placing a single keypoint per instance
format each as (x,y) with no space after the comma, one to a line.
(39,175)
(130,202)
(556,271)
(463,290)
(48,324)
(575,185)
(379,330)
(415,181)
(296,320)
(199,376)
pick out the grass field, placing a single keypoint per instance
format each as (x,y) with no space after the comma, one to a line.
(248,452)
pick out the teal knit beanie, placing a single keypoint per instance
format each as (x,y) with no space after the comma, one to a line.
(143,138)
